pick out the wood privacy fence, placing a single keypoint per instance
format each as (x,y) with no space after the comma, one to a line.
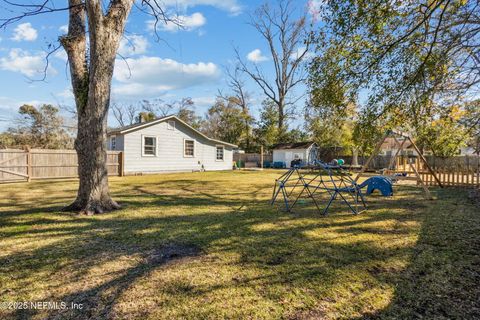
(25,165)
(251,158)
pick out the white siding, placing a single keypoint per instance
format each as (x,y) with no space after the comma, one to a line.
(170,151)
(280,155)
(118,142)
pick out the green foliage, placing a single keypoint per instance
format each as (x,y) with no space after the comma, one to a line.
(266,132)
(225,121)
(444,136)
(187,113)
(38,128)
(295,135)
(330,112)
(411,61)
(366,132)
(146,116)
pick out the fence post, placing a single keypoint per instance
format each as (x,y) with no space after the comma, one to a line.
(121,164)
(29,163)
(261,157)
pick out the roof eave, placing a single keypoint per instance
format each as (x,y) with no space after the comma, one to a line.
(151,123)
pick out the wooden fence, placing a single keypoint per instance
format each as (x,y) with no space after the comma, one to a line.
(458,171)
(455,179)
(25,165)
(251,159)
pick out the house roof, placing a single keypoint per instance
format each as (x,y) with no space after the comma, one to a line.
(141,125)
(392,143)
(295,145)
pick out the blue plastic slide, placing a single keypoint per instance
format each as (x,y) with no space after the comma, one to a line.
(380,183)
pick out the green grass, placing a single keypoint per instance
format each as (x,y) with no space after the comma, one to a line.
(208,245)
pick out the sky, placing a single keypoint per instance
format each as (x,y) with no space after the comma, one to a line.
(185,62)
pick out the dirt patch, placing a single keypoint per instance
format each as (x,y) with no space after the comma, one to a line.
(172,252)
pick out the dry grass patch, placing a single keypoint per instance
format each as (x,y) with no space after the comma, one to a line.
(208,245)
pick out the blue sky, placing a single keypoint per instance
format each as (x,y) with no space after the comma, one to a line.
(187,62)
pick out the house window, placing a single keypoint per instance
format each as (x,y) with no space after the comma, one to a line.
(189,148)
(220,151)
(171,125)
(149,146)
(113,142)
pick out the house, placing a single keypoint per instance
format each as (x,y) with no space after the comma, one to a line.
(286,152)
(168,144)
(390,147)
(468,151)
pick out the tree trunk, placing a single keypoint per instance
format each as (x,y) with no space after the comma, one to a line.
(281,121)
(93,193)
(354,157)
(91,87)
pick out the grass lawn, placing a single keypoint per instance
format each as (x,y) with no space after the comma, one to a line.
(208,245)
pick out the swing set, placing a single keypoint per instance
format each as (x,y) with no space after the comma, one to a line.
(318,179)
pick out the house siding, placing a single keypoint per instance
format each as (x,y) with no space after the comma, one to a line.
(170,150)
(118,142)
(280,155)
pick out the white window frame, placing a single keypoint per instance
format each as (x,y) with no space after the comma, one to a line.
(184,145)
(155,145)
(113,142)
(171,125)
(223,153)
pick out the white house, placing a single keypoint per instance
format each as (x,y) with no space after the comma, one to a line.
(286,152)
(169,144)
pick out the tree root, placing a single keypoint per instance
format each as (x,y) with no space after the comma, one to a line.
(92,207)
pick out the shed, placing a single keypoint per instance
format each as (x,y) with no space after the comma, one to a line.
(169,144)
(287,152)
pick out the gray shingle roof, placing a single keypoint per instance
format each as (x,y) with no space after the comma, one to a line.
(294,145)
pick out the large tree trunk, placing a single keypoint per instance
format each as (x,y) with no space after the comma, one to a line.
(281,121)
(91,87)
(354,156)
(93,193)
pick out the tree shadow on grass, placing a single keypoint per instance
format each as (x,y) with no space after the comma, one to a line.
(441,280)
(98,302)
(278,244)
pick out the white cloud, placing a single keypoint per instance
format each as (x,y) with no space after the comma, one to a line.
(231,6)
(300,51)
(181,22)
(26,63)
(61,54)
(24,31)
(132,45)
(10,105)
(256,56)
(67,93)
(315,7)
(64,28)
(207,101)
(147,76)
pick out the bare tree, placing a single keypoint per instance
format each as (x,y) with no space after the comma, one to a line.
(91,70)
(157,107)
(125,114)
(242,98)
(288,41)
